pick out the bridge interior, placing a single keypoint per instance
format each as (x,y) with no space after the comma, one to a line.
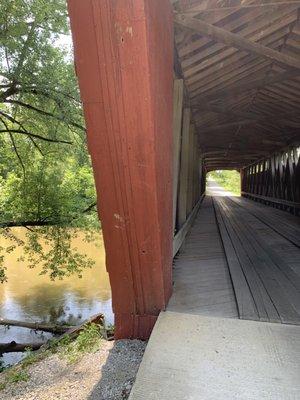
(237,86)
(240,65)
(239,260)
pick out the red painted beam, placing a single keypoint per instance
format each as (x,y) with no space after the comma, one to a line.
(124,62)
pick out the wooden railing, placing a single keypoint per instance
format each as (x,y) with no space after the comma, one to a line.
(275,180)
(273,200)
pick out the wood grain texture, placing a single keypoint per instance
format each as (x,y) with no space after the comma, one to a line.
(273,281)
(124,59)
(177,129)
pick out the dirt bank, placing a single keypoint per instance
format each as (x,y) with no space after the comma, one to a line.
(107,374)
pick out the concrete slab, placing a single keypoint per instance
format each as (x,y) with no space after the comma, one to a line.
(193,357)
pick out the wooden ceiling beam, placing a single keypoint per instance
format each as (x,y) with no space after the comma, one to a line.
(245,115)
(247,86)
(241,142)
(206,9)
(222,127)
(236,41)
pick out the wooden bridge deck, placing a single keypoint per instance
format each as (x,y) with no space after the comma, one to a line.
(240,259)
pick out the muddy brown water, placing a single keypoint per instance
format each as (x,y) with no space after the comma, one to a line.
(28,296)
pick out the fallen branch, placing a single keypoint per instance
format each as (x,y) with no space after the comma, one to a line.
(71,332)
(13,347)
(75,330)
(56,329)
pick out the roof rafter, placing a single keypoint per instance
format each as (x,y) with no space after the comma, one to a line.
(204,8)
(249,85)
(235,40)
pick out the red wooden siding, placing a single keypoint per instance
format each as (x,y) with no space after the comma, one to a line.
(124,63)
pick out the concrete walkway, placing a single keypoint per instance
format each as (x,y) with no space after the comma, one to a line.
(193,357)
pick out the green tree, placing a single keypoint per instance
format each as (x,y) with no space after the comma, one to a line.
(46,181)
(229,180)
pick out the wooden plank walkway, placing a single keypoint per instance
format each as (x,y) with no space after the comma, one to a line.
(202,283)
(240,259)
(268,276)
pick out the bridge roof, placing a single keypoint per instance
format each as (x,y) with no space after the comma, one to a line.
(240,61)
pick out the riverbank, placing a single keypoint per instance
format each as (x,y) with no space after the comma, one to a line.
(105,374)
(29,296)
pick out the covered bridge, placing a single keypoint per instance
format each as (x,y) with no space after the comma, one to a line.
(172,90)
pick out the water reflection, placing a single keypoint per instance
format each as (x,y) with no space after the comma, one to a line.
(29,296)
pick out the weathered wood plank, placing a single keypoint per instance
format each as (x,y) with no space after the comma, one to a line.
(265,308)
(245,303)
(184,167)
(191,166)
(278,279)
(290,229)
(181,234)
(177,125)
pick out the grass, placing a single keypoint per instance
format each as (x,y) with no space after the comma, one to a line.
(229,180)
(88,340)
(18,376)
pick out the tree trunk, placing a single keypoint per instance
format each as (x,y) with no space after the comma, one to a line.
(36,325)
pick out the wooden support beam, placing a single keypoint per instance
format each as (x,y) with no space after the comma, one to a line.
(184,167)
(236,41)
(177,125)
(124,63)
(196,170)
(190,191)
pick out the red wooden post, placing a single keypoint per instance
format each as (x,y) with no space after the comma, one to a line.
(124,62)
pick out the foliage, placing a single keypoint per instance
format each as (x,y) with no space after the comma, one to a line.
(46,181)
(229,180)
(88,340)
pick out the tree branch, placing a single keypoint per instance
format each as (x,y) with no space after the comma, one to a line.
(13,120)
(42,112)
(25,223)
(17,153)
(34,135)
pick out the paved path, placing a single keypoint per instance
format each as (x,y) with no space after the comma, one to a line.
(192,357)
(214,189)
